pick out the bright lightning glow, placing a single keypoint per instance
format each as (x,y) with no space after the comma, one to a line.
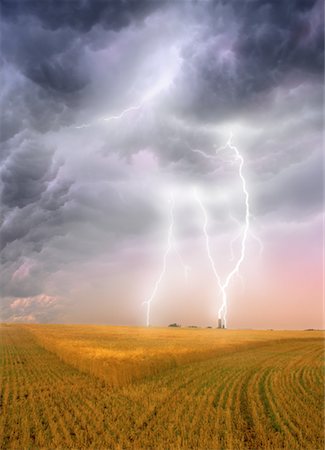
(186,268)
(164,267)
(159,87)
(258,240)
(202,153)
(232,242)
(170,242)
(114,117)
(251,234)
(207,239)
(222,313)
(223,286)
(123,113)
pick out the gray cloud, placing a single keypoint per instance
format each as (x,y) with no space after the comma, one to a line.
(80,15)
(25,175)
(296,192)
(244,50)
(74,197)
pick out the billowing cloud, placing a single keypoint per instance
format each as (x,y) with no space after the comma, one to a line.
(106,108)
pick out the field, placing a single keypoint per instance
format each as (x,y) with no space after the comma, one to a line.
(117,387)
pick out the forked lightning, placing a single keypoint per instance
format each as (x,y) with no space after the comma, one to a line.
(223,285)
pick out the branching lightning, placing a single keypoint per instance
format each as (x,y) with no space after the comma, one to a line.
(116,117)
(223,286)
(160,86)
(251,234)
(222,313)
(164,267)
(113,117)
(148,96)
(186,268)
(207,239)
(236,158)
(170,236)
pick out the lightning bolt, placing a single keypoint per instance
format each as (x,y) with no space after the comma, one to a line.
(251,234)
(164,267)
(223,285)
(222,313)
(114,117)
(150,95)
(186,268)
(160,86)
(170,242)
(207,238)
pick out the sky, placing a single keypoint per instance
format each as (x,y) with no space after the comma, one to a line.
(115,111)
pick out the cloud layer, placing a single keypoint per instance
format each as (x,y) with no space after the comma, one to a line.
(104,106)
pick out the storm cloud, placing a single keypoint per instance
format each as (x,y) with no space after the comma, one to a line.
(106,106)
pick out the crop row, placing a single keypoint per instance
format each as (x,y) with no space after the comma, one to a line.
(268,397)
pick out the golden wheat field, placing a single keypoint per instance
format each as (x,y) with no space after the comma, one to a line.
(160,388)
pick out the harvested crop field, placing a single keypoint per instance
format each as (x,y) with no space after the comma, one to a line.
(119,387)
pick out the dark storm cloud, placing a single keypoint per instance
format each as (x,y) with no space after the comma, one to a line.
(81,15)
(45,42)
(35,223)
(51,59)
(27,105)
(279,36)
(104,206)
(241,49)
(71,196)
(26,174)
(49,49)
(32,193)
(244,50)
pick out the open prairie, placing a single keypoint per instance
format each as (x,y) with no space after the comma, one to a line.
(127,387)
